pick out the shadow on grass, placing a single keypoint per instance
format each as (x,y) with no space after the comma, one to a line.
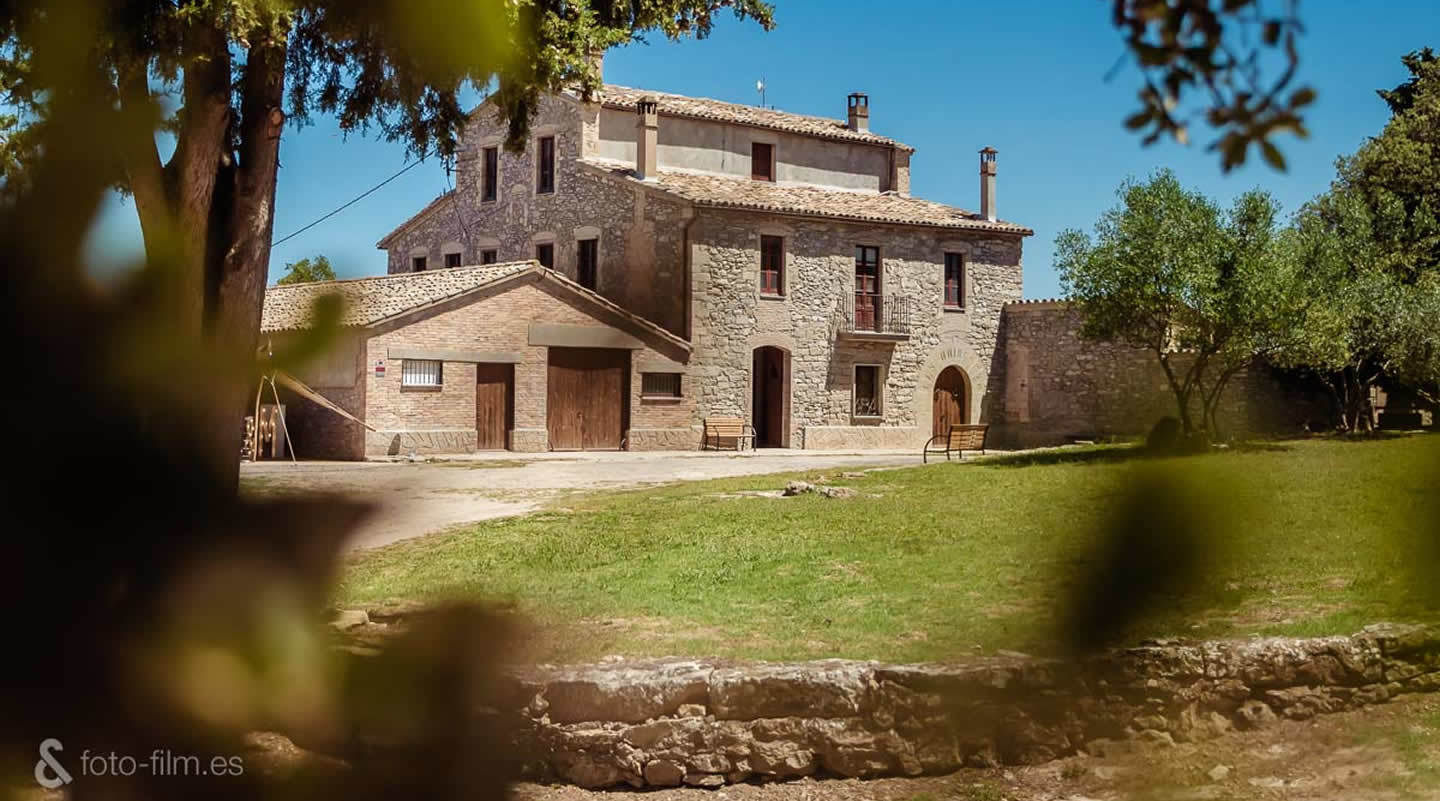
(1115,454)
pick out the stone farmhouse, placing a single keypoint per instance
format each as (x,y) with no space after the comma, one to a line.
(652,260)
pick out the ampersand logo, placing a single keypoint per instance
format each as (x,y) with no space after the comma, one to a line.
(61,776)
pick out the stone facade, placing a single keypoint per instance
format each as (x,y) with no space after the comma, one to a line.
(1051,385)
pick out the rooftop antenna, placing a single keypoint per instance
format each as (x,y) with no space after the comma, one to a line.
(760,87)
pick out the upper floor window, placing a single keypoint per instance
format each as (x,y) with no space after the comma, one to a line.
(452,259)
(489,256)
(587,262)
(417,264)
(954,281)
(421,373)
(545,254)
(772,265)
(762,161)
(545,166)
(490,183)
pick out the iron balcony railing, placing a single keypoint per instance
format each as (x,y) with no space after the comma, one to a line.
(865,313)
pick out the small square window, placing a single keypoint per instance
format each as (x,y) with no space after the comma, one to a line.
(660,385)
(772,265)
(545,166)
(954,281)
(490,186)
(545,254)
(868,388)
(587,259)
(762,161)
(489,256)
(452,259)
(417,264)
(421,373)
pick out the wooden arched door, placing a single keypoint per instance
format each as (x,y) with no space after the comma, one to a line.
(951,407)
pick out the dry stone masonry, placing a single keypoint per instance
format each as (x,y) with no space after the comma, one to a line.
(657,724)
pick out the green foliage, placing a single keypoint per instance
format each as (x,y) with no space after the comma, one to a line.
(307,270)
(1205,290)
(1189,47)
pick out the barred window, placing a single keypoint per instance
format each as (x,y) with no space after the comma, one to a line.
(421,373)
(868,387)
(660,385)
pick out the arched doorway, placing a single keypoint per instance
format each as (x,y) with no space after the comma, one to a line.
(769,386)
(952,400)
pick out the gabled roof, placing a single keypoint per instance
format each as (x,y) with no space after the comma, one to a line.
(414,218)
(703,108)
(379,299)
(742,193)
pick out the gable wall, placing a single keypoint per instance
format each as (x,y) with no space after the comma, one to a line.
(640,233)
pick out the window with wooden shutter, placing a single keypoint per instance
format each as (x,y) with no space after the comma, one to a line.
(954,281)
(587,256)
(490,185)
(421,373)
(772,265)
(545,176)
(762,161)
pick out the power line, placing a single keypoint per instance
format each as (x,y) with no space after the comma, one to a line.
(372,190)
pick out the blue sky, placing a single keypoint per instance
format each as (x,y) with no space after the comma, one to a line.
(946,77)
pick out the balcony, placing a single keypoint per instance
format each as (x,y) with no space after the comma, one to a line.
(875,317)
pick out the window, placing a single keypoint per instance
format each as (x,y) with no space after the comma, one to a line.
(762,161)
(587,262)
(954,281)
(420,373)
(868,387)
(489,256)
(772,265)
(490,185)
(545,172)
(659,385)
(545,254)
(417,264)
(452,259)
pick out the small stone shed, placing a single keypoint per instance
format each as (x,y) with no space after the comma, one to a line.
(502,356)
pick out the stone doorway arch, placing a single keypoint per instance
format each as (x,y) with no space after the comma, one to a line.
(951,400)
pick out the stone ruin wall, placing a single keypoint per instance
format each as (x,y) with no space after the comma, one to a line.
(1052,386)
(702,724)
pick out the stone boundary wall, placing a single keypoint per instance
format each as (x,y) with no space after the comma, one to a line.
(656,724)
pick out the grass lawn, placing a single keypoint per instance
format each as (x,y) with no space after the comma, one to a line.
(940,562)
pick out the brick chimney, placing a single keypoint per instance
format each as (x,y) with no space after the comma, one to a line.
(987,183)
(858,118)
(647,137)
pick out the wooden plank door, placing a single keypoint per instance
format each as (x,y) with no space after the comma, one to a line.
(949,401)
(494,415)
(587,398)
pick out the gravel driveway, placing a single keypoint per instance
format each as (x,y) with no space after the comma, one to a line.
(414,499)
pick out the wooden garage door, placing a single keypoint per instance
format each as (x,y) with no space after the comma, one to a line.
(494,387)
(587,399)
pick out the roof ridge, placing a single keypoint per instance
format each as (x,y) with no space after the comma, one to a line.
(838,122)
(411,274)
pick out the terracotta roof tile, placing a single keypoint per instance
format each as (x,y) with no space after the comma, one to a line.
(624,97)
(371,300)
(743,193)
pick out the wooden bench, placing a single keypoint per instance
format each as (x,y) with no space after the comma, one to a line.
(722,428)
(960,439)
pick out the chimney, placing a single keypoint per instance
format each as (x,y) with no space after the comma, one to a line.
(987,183)
(858,118)
(597,63)
(647,137)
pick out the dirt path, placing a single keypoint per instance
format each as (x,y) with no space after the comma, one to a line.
(421,498)
(1371,754)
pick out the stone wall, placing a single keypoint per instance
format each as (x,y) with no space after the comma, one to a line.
(640,232)
(731,319)
(697,723)
(1051,385)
